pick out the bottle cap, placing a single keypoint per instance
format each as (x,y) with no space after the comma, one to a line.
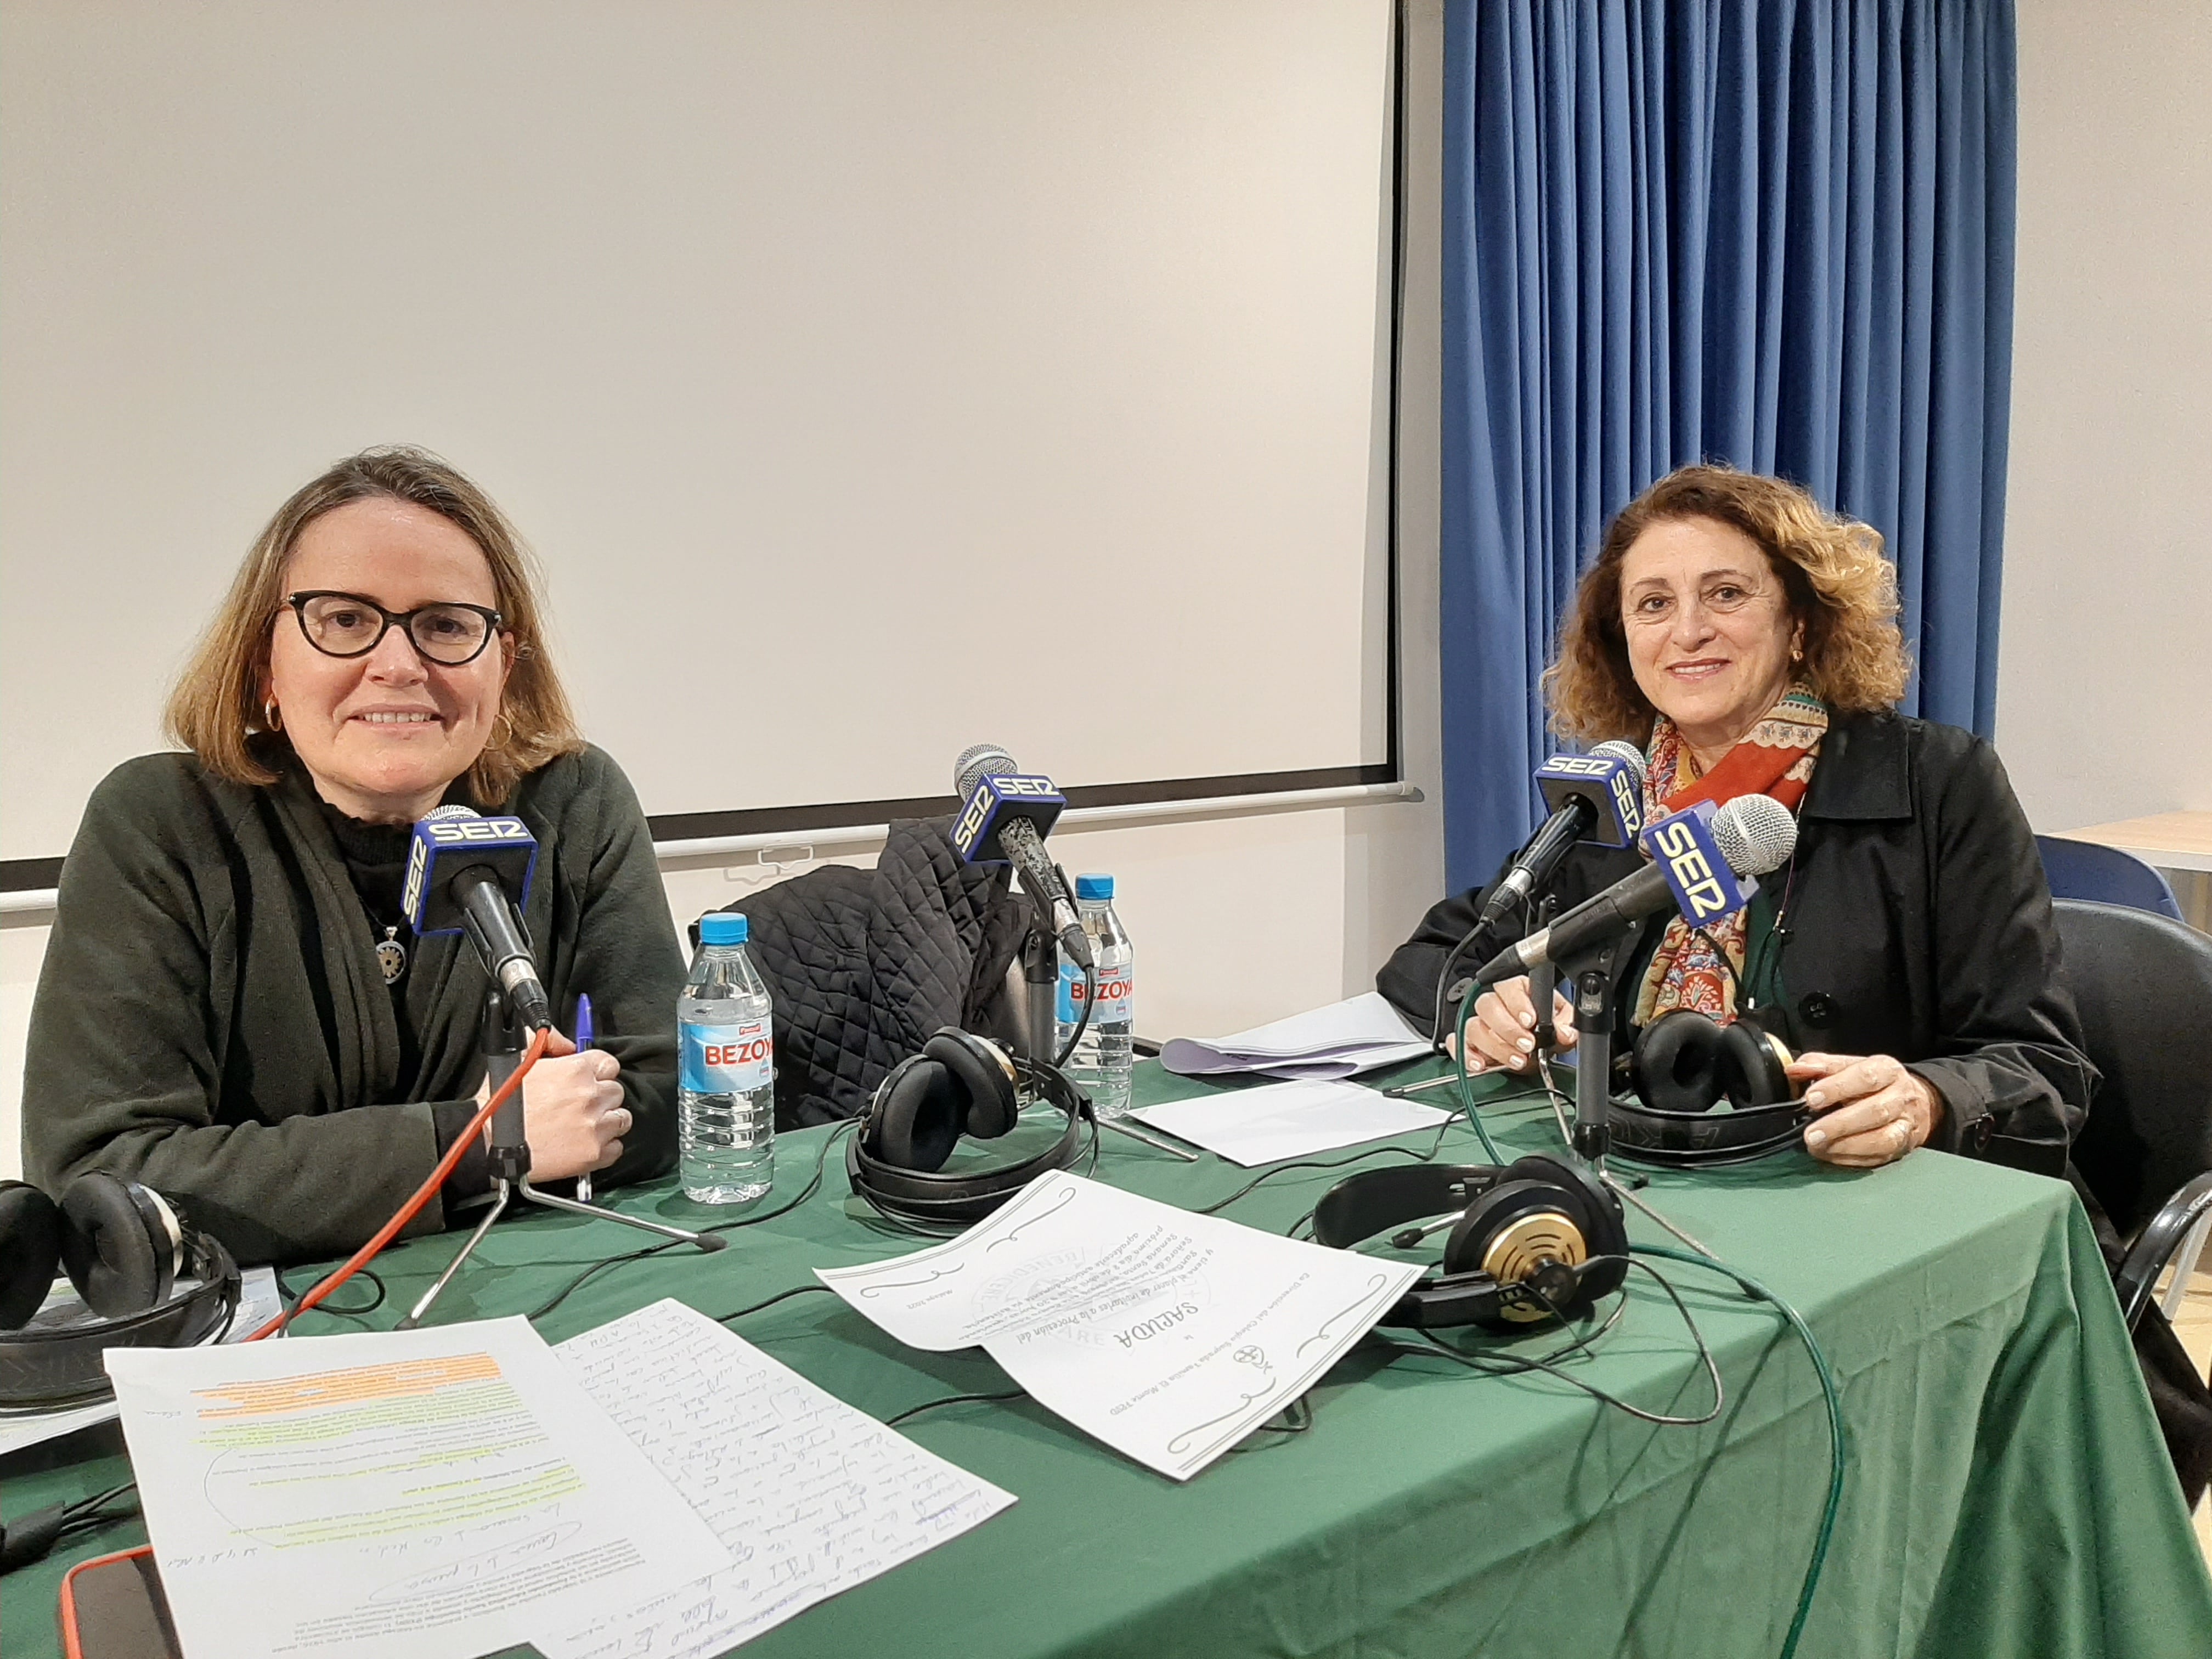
(722,927)
(1094,887)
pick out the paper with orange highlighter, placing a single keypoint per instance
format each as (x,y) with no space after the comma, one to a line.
(436,1492)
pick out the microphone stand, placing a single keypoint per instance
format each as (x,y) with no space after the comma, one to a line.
(1591,973)
(510,1159)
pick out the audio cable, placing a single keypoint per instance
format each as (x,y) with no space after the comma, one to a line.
(1549,1365)
(285,1293)
(421,1196)
(1423,1157)
(1465,1087)
(31,1537)
(1831,1397)
(1697,1254)
(813,1184)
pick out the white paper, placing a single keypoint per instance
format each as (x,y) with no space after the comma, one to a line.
(811,1496)
(1341,1041)
(433,1493)
(1169,1336)
(1278,1120)
(258,1304)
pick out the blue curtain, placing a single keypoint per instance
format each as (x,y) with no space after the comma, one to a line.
(1776,233)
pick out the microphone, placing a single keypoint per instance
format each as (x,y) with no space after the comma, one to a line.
(470,874)
(1696,856)
(1007,815)
(1594,796)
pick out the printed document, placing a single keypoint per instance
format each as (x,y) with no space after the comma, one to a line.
(433,1493)
(1342,1040)
(1168,1335)
(811,1496)
(1278,1120)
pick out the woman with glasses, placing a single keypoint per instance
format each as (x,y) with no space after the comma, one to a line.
(233,1009)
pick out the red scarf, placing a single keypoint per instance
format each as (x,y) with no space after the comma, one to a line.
(1699,969)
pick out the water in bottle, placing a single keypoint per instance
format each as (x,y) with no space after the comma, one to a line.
(726,1071)
(1103,1060)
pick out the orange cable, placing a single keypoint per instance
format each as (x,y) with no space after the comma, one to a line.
(413,1208)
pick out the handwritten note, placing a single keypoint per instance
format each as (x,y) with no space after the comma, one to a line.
(1169,1336)
(811,1496)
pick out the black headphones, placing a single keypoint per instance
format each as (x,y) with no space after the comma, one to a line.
(1685,1064)
(959,1084)
(1540,1238)
(124,1248)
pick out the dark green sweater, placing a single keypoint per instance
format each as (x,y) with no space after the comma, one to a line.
(210,1020)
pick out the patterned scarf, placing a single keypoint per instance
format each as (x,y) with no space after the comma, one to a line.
(1699,969)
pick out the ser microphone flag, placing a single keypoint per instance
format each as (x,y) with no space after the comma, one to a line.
(1696,856)
(1597,796)
(1005,814)
(467,873)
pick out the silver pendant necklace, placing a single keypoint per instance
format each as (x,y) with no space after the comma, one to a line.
(392,956)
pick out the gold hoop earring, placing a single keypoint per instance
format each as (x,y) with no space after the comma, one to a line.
(271,715)
(502,730)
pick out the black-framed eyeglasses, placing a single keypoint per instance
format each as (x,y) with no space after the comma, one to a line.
(348,625)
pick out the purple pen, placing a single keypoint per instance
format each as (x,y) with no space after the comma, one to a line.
(583,1041)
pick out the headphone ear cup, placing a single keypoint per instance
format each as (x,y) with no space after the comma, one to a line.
(117,1245)
(1677,1062)
(917,1124)
(30,1251)
(1541,1210)
(1477,1228)
(992,1106)
(1752,1065)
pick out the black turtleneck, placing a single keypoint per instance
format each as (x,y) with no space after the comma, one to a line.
(375,856)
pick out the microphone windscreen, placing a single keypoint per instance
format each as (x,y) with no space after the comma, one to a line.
(1755,834)
(1627,754)
(978,762)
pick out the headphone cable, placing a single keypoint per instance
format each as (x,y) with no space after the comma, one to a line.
(896,1418)
(781,1295)
(1435,1146)
(814,1181)
(1495,1365)
(1831,1398)
(1444,975)
(1465,1087)
(1699,1256)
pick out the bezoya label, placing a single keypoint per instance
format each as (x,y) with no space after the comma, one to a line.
(725,1059)
(1113,1002)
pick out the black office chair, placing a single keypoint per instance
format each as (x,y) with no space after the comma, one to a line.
(2143,984)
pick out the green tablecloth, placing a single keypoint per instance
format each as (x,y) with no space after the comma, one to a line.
(2007,1494)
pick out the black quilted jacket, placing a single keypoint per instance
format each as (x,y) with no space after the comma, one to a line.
(864,964)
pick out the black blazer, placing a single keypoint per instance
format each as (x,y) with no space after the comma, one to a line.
(1917,923)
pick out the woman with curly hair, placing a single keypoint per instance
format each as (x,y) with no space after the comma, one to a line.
(1748,640)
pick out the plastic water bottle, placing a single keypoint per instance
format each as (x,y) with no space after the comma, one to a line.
(1102,1060)
(726,1071)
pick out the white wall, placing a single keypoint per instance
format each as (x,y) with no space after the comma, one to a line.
(850,334)
(1234,919)
(2105,675)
